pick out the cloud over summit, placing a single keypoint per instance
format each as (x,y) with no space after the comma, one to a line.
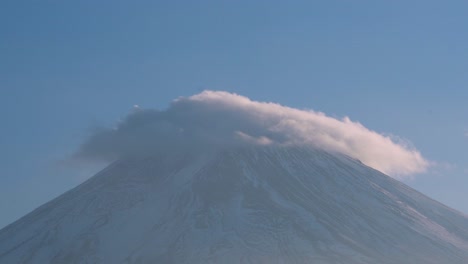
(214,118)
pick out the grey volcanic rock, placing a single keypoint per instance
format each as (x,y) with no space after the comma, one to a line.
(242,205)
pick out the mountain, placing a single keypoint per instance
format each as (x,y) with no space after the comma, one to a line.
(260,204)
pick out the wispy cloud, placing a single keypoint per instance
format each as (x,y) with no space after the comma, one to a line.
(214,118)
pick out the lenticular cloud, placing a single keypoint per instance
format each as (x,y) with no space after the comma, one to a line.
(215,118)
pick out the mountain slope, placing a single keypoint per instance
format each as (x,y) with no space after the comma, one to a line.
(239,205)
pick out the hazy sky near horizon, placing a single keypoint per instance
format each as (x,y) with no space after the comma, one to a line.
(397,67)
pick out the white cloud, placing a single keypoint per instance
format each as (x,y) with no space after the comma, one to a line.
(214,118)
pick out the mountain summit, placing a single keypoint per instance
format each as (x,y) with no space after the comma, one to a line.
(257,204)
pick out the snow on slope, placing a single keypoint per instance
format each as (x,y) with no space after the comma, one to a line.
(243,205)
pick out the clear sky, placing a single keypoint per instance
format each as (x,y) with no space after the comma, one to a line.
(398,67)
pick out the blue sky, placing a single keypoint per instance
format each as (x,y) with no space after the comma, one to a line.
(398,67)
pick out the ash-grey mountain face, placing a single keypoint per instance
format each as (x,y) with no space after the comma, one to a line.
(245,205)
